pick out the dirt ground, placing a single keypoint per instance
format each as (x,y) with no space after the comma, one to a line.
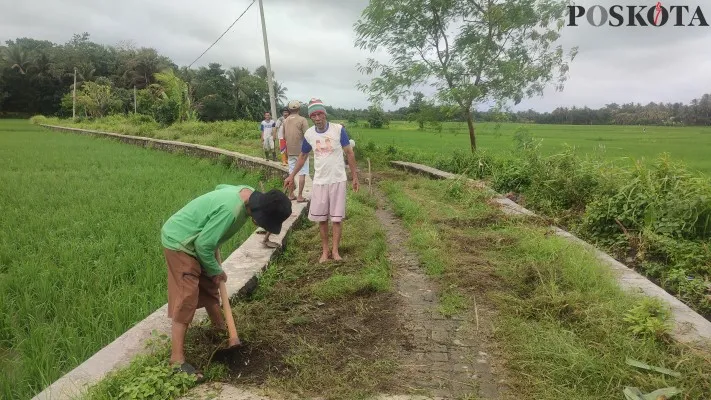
(439,356)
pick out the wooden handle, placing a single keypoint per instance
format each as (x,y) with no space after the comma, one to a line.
(229,319)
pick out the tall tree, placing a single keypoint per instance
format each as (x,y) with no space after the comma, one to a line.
(16,57)
(469,50)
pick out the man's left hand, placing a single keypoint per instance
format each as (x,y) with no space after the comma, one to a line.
(356,184)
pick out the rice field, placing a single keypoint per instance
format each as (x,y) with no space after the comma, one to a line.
(80,252)
(690,145)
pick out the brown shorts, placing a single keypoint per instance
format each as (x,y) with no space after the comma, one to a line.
(189,288)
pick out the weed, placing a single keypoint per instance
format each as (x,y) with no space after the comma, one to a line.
(451,302)
(649,318)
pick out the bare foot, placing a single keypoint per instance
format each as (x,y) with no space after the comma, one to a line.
(324,258)
(336,256)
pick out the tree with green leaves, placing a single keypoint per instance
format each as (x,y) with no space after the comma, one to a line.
(97,99)
(175,97)
(471,51)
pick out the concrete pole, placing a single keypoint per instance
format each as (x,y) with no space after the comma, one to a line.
(269,66)
(74,97)
(135,106)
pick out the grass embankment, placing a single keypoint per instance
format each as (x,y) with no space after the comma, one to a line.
(309,329)
(565,326)
(80,254)
(240,136)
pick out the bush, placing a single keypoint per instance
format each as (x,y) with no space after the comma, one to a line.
(376,117)
(38,119)
(664,198)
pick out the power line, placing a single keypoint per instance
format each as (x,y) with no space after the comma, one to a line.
(223,34)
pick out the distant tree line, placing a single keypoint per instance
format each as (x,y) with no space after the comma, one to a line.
(696,113)
(37,76)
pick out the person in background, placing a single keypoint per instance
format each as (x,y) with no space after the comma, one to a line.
(294,128)
(280,135)
(267,127)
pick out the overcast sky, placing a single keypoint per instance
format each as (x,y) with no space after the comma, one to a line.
(311,44)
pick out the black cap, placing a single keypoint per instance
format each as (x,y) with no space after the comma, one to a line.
(270,209)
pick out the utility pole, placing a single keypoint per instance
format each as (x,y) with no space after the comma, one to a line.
(135,107)
(74,97)
(269,66)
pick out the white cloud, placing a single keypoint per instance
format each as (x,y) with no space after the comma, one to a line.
(313,54)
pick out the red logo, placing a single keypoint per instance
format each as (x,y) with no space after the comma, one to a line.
(659,12)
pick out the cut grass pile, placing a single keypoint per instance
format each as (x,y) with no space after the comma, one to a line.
(80,254)
(565,326)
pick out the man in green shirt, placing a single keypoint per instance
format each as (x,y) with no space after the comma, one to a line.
(191,239)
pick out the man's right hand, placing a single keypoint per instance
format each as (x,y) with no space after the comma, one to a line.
(289,182)
(219,278)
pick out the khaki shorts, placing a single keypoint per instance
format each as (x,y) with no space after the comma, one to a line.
(189,288)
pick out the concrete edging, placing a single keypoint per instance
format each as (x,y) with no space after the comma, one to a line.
(241,160)
(688,326)
(243,267)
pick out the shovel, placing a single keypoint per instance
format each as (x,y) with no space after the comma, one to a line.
(234,344)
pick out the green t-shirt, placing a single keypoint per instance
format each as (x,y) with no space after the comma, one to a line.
(205,223)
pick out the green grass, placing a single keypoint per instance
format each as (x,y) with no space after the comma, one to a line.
(687,144)
(80,254)
(564,325)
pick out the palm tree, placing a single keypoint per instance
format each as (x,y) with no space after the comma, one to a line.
(43,65)
(280,93)
(176,90)
(17,58)
(239,88)
(142,67)
(85,72)
(262,72)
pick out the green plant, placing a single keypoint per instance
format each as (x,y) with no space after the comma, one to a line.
(376,117)
(648,318)
(159,382)
(456,189)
